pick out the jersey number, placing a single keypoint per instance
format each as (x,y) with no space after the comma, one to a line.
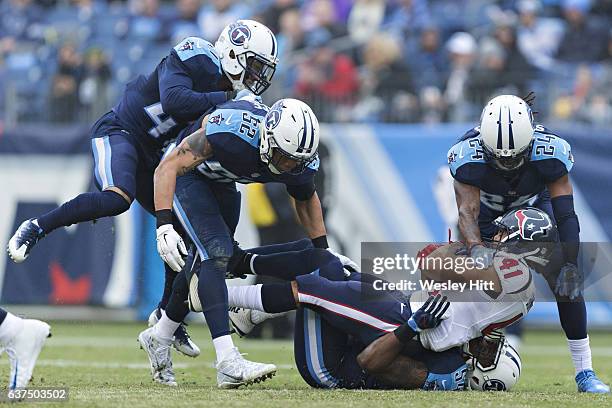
(163,122)
(548,149)
(509,263)
(478,152)
(249,125)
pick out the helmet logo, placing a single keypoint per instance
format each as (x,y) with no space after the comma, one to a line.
(494,385)
(239,34)
(274,116)
(530,226)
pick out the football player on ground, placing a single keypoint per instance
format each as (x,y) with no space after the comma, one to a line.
(507,162)
(127,141)
(240,142)
(22,339)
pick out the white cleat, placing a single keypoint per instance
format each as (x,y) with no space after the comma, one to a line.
(235,370)
(181,342)
(23,240)
(158,352)
(23,350)
(240,319)
(244,320)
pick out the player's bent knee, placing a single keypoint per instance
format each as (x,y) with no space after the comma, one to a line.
(121,193)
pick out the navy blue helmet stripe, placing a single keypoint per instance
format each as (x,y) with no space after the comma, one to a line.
(304,134)
(499,131)
(311,133)
(273,43)
(510,136)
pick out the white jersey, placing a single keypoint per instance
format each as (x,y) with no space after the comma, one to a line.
(469,320)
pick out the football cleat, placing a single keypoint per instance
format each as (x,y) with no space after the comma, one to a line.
(243,320)
(240,319)
(235,370)
(587,381)
(23,240)
(159,355)
(23,350)
(181,342)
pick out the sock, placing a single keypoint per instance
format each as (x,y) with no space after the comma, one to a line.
(223,346)
(248,296)
(11,325)
(573,319)
(277,297)
(84,207)
(165,328)
(177,308)
(169,276)
(288,265)
(581,354)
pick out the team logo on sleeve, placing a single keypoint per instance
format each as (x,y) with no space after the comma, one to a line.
(239,33)
(187,46)
(217,119)
(274,116)
(532,223)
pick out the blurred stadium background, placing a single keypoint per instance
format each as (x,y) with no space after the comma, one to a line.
(395,82)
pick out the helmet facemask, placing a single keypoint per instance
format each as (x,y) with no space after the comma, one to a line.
(258,72)
(273,156)
(506,163)
(484,352)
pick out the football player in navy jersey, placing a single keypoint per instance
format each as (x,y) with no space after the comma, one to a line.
(126,142)
(507,162)
(242,141)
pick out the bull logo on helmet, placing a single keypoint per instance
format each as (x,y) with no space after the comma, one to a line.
(532,223)
(239,34)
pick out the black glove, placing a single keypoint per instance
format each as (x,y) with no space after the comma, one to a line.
(428,316)
(229,95)
(569,281)
(239,265)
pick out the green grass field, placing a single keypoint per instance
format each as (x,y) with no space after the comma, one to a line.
(102,366)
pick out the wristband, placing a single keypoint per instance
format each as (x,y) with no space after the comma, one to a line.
(320,242)
(163,217)
(404,333)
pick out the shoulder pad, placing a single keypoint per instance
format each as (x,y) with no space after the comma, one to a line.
(473,132)
(514,274)
(465,152)
(234,123)
(314,165)
(193,46)
(548,146)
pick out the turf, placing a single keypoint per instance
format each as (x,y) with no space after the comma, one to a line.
(102,366)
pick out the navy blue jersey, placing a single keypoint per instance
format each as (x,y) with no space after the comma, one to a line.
(233,130)
(184,85)
(500,191)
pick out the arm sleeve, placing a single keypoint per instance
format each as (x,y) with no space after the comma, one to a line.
(302,192)
(568,226)
(177,97)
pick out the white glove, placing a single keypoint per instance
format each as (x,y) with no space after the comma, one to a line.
(171,247)
(345,260)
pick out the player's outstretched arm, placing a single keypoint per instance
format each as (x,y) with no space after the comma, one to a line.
(311,216)
(191,152)
(468,205)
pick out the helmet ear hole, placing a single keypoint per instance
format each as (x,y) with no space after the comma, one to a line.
(232,54)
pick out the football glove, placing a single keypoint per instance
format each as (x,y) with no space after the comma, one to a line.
(479,251)
(171,247)
(347,262)
(569,281)
(430,315)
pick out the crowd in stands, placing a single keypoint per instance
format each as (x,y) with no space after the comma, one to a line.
(353,60)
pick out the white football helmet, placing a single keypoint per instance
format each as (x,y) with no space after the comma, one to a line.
(290,131)
(499,374)
(248,53)
(506,131)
